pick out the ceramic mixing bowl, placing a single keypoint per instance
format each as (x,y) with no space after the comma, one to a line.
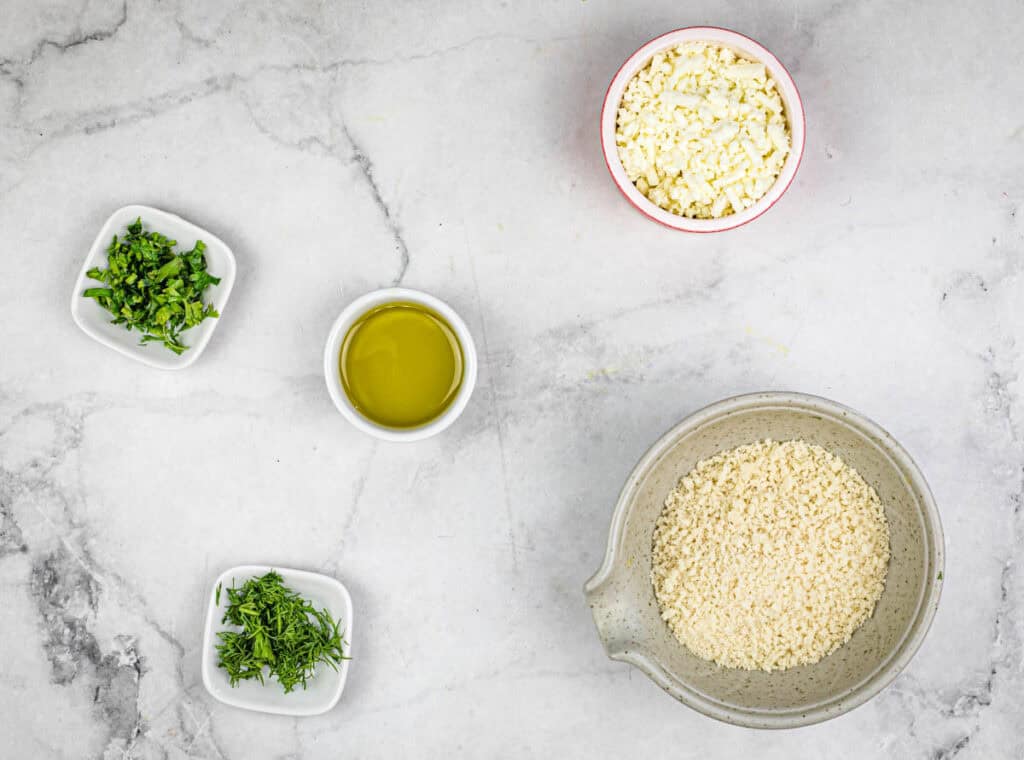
(625,610)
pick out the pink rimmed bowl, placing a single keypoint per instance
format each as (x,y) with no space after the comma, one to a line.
(743,46)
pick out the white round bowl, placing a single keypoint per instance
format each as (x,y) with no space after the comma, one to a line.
(354,311)
(743,46)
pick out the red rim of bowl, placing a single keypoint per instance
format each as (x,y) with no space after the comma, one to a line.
(803,131)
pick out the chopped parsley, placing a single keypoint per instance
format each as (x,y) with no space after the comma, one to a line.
(152,289)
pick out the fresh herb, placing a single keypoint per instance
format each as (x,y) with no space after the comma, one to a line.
(152,289)
(280,631)
(217,596)
(939,577)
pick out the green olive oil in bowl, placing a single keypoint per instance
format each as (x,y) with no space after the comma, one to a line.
(401,365)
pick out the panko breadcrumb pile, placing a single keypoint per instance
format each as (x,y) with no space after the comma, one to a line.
(769,555)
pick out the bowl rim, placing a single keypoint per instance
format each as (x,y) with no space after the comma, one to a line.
(901,654)
(795,114)
(356,309)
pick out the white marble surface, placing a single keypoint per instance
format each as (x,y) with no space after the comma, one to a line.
(453,147)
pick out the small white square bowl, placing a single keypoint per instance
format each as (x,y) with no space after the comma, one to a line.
(323,690)
(95,320)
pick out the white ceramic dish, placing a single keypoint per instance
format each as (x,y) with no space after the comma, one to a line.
(324,689)
(95,320)
(356,309)
(742,45)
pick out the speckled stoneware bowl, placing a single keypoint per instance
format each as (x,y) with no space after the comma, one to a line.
(625,610)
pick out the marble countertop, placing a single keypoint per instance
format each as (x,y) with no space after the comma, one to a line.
(453,147)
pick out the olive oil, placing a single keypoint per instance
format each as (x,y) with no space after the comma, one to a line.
(401,365)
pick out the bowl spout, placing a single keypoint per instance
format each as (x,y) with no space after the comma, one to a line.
(610,614)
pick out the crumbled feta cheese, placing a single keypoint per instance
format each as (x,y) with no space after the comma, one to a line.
(702,133)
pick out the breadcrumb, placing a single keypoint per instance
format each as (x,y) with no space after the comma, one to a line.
(769,555)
